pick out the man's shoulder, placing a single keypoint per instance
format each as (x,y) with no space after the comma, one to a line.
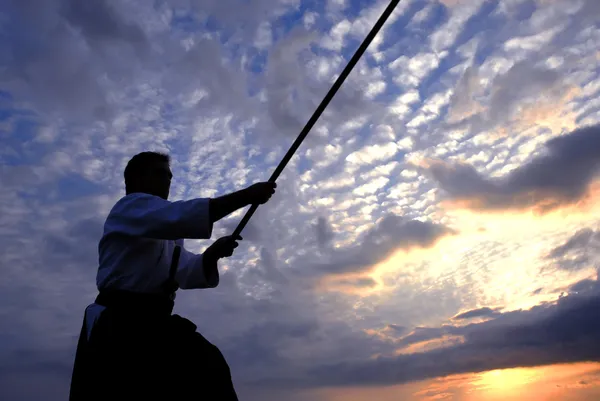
(125,208)
(137,196)
(136,199)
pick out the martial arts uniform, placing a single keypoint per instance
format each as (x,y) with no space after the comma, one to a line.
(131,346)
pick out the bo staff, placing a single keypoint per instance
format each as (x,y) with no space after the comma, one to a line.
(336,86)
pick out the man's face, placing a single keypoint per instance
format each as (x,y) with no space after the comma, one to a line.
(158,180)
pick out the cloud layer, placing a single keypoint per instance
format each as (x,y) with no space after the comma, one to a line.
(560,333)
(365,267)
(560,175)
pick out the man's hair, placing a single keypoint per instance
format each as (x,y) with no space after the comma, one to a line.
(140,163)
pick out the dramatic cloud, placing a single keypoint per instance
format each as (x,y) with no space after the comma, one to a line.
(475,313)
(390,234)
(582,250)
(560,175)
(558,333)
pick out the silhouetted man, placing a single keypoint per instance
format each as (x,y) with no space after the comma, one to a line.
(131,346)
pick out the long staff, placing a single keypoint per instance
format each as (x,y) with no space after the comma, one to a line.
(336,86)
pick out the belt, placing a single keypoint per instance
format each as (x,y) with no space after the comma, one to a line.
(135,302)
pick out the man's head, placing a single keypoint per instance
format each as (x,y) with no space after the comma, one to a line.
(149,172)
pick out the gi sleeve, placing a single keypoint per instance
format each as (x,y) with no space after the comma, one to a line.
(144,215)
(190,271)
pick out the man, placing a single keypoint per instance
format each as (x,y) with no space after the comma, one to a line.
(131,346)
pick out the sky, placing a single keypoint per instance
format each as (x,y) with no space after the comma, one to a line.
(436,237)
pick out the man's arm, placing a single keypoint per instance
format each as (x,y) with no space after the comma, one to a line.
(196,271)
(202,271)
(143,215)
(258,193)
(227,204)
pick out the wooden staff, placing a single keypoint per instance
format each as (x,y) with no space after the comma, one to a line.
(336,86)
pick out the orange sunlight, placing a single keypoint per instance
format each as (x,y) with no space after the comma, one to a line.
(430,345)
(503,383)
(500,244)
(537,383)
(574,382)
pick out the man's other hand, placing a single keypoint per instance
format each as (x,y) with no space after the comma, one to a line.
(222,248)
(261,192)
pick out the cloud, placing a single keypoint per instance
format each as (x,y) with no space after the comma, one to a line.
(391,233)
(560,175)
(293,91)
(451,3)
(580,251)
(269,269)
(462,103)
(46,369)
(68,49)
(356,283)
(475,313)
(99,21)
(584,285)
(77,60)
(580,240)
(526,94)
(561,332)
(324,232)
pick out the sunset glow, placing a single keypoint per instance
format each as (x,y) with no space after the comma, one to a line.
(505,383)
(537,383)
(547,383)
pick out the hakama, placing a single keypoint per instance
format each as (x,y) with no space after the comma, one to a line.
(133,348)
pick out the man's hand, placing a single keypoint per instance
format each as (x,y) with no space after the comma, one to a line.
(255,194)
(261,192)
(222,248)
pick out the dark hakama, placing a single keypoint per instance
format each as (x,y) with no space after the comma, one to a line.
(131,347)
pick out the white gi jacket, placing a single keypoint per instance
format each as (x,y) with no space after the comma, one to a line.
(136,249)
(140,234)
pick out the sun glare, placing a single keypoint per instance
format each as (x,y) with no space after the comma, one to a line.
(505,381)
(490,252)
(537,382)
